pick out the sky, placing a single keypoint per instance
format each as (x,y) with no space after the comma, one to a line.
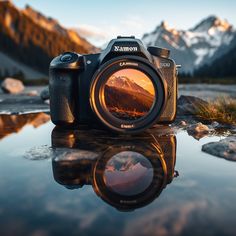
(102,20)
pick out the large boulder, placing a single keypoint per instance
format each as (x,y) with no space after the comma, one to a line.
(189,105)
(13,86)
(225,148)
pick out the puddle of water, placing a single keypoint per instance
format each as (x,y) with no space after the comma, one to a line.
(56,182)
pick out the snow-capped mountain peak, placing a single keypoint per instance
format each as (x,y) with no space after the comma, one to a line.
(192,48)
(126,83)
(212,22)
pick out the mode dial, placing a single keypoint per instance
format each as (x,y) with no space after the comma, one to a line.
(159,52)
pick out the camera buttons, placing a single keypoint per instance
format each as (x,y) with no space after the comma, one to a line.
(66,57)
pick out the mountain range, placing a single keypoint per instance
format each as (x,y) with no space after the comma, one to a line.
(29,40)
(125,83)
(121,89)
(197,47)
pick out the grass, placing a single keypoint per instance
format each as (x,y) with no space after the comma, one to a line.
(222,110)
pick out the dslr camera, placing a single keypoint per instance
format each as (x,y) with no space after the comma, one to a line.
(126,88)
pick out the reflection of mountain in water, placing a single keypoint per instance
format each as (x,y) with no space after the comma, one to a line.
(14,123)
(126,99)
(133,180)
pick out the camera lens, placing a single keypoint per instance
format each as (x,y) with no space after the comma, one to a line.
(128,173)
(129,94)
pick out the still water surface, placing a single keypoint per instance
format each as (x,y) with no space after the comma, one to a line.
(56,182)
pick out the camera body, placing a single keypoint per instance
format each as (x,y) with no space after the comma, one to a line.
(77,84)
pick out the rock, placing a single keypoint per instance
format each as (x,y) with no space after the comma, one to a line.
(182,123)
(225,148)
(214,124)
(189,105)
(13,86)
(199,130)
(45,94)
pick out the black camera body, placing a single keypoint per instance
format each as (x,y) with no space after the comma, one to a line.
(126,87)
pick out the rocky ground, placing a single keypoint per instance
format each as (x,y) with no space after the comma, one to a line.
(36,99)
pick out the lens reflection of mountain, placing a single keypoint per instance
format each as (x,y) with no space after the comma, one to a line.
(126,99)
(126,172)
(14,123)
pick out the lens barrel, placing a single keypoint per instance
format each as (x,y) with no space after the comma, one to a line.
(127,94)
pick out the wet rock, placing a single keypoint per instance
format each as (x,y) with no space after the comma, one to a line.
(45,94)
(189,105)
(214,124)
(225,148)
(199,130)
(13,86)
(183,123)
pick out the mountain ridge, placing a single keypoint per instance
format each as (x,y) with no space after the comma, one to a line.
(201,44)
(126,83)
(31,43)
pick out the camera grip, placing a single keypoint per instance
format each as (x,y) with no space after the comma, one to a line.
(62,84)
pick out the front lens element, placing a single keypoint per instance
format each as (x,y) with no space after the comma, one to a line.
(128,173)
(129,94)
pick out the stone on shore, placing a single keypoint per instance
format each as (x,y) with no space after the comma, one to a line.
(189,105)
(225,148)
(13,86)
(199,130)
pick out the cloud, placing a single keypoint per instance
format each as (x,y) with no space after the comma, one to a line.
(90,31)
(100,35)
(170,220)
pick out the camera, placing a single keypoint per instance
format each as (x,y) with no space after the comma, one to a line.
(126,88)
(126,172)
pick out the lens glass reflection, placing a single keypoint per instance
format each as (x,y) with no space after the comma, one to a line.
(129,94)
(128,173)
